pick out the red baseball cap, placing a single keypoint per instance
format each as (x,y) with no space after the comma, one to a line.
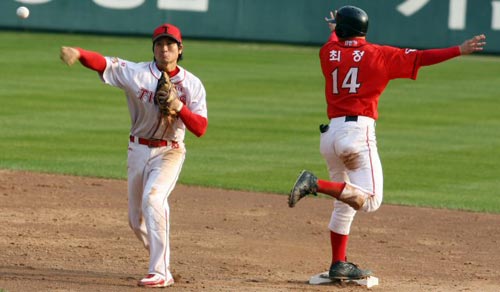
(167,30)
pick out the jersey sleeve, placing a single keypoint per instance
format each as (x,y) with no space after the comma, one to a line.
(401,63)
(117,72)
(197,103)
(194,113)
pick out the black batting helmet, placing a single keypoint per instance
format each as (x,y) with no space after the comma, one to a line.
(351,22)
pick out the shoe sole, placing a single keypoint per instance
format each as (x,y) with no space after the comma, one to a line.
(347,278)
(350,278)
(291,197)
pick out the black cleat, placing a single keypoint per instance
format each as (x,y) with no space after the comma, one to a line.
(347,271)
(306,184)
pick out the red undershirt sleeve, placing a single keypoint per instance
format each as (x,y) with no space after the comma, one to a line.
(194,123)
(92,60)
(333,37)
(434,56)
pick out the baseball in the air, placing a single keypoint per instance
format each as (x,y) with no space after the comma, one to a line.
(23,12)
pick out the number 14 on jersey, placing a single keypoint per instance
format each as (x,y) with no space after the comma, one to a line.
(350,81)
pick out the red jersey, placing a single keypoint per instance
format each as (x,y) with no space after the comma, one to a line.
(356,73)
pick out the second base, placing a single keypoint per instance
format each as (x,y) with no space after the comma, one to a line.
(322,278)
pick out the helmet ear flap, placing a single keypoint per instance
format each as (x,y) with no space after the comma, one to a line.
(339,31)
(346,31)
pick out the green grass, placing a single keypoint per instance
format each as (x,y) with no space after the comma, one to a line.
(439,137)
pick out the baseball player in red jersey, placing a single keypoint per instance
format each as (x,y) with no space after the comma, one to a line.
(156,150)
(356,73)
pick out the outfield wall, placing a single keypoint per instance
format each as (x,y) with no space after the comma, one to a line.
(408,23)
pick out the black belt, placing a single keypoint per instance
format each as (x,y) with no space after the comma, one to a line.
(351,118)
(324,128)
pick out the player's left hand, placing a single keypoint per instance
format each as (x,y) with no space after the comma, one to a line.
(331,21)
(473,45)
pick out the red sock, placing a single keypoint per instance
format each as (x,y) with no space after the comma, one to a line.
(339,246)
(330,187)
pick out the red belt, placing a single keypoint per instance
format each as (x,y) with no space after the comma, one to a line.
(154,142)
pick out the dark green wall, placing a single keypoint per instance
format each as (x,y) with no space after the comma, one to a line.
(291,21)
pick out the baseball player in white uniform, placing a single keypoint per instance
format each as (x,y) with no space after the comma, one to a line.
(156,149)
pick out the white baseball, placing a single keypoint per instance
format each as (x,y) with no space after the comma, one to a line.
(23,12)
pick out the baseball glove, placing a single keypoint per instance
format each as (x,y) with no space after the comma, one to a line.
(166,98)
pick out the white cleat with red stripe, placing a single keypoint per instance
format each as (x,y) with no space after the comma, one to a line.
(155,281)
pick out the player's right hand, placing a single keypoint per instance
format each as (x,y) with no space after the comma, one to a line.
(69,55)
(331,21)
(473,45)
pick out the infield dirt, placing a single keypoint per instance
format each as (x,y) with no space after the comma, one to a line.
(66,233)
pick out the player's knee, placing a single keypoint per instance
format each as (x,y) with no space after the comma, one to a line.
(342,218)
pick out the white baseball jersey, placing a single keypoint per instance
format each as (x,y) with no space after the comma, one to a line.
(139,81)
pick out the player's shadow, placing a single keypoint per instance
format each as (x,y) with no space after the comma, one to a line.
(55,278)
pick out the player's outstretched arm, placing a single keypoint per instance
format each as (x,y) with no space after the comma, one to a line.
(69,55)
(89,59)
(472,45)
(434,56)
